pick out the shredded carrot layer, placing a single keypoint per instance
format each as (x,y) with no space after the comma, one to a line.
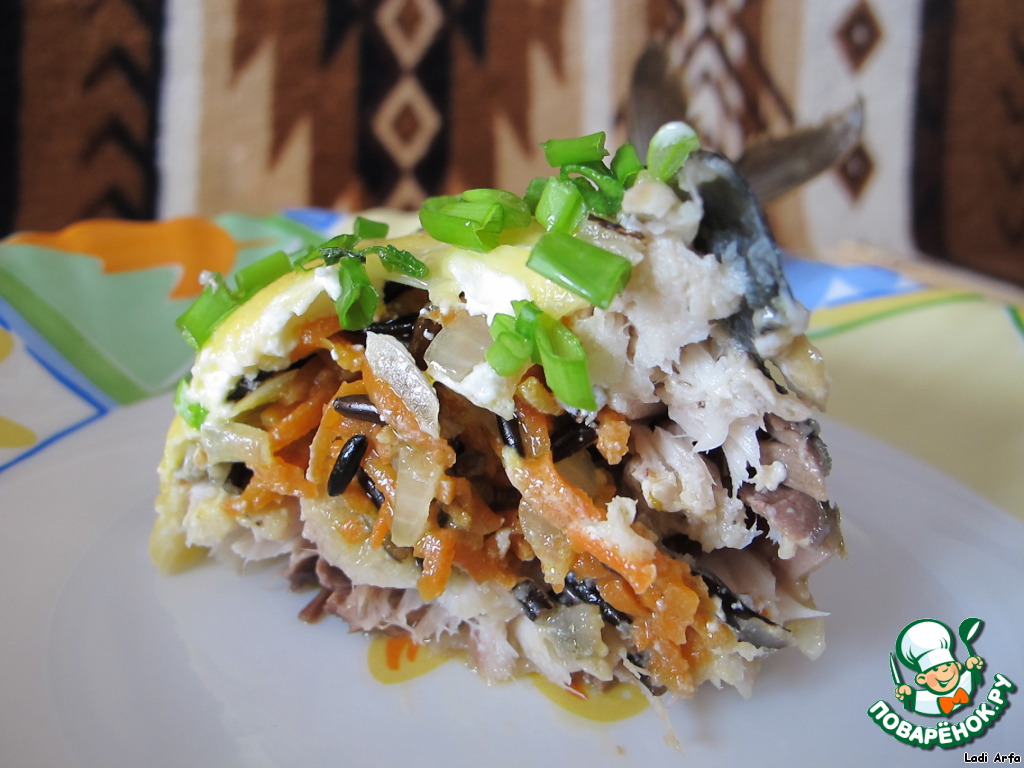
(437,548)
(315,335)
(571,510)
(666,602)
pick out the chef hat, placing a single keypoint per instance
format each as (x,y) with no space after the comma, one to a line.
(924,644)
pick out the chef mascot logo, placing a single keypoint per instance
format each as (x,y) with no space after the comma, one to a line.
(947,685)
(931,681)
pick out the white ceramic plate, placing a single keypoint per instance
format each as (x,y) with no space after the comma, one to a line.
(103,663)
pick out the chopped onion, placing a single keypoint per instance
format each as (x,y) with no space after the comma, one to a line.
(233,442)
(416,477)
(392,363)
(459,347)
(267,392)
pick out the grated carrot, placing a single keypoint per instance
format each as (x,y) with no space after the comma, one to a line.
(334,429)
(536,428)
(570,509)
(313,334)
(306,416)
(437,548)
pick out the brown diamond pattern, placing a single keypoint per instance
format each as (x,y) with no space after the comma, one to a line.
(859,34)
(856,170)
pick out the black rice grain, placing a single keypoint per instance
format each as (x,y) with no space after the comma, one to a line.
(358,407)
(346,465)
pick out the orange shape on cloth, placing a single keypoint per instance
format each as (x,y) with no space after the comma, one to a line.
(192,243)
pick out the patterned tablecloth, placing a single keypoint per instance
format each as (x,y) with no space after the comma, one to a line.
(87,326)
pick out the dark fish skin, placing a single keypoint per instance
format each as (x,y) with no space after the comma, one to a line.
(776,166)
(734,228)
(771,167)
(655,96)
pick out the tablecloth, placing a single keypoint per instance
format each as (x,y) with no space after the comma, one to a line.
(87,326)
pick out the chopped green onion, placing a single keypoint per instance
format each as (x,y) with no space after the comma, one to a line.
(565,364)
(398,260)
(592,198)
(585,269)
(521,327)
(512,347)
(581,149)
(367,229)
(609,187)
(487,215)
(358,299)
(305,255)
(476,219)
(198,321)
(533,192)
(669,148)
(251,279)
(626,164)
(348,242)
(192,413)
(508,353)
(527,316)
(502,324)
(340,247)
(561,207)
(534,334)
(457,231)
(516,213)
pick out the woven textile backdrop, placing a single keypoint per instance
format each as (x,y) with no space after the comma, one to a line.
(155,108)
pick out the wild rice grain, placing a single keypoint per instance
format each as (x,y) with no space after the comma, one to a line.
(346,464)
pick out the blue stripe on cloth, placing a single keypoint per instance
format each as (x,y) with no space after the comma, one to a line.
(818,285)
(62,372)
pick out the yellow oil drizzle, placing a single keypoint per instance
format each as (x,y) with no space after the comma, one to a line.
(620,701)
(398,659)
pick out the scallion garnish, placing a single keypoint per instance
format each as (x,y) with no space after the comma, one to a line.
(192,413)
(338,248)
(515,212)
(474,220)
(609,188)
(198,321)
(669,148)
(626,164)
(508,352)
(533,192)
(472,226)
(527,316)
(502,324)
(561,207)
(368,229)
(358,299)
(587,270)
(534,334)
(580,149)
(260,274)
(399,260)
(565,364)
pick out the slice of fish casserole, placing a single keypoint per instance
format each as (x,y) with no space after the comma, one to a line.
(568,433)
